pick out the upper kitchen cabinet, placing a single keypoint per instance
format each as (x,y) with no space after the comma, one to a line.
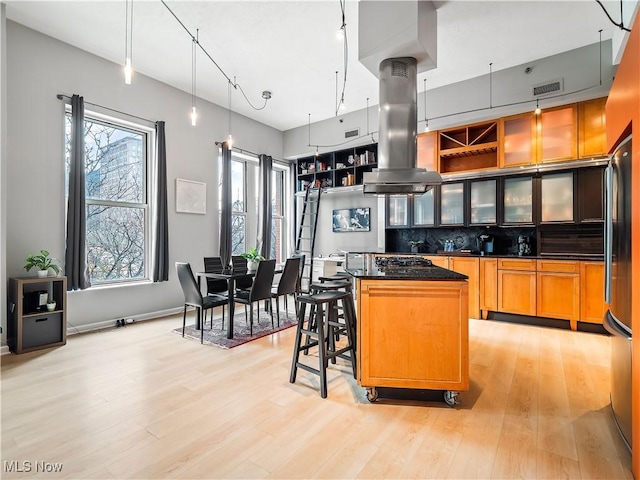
(452,200)
(556,197)
(518,140)
(424,209)
(591,194)
(428,151)
(592,128)
(397,211)
(518,200)
(558,134)
(483,202)
(411,210)
(472,147)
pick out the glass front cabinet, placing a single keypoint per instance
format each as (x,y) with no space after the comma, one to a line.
(452,204)
(411,210)
(517,201)
(556,197)
(483,202)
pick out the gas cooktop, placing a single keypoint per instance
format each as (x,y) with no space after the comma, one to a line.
(386,264)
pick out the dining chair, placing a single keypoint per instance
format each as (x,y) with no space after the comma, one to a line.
(287,285)
(260,290)
(239,263)
(301,272)
(215,286)
(193,297)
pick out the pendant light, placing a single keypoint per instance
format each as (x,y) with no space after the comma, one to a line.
(128,40)
(537,111)
(194,113)
(230,138)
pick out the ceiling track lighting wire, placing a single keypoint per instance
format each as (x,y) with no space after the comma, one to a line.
(193,80)
(619,25)
(345,56)
(128,41)
(235,85)
(600,69)
(490,85)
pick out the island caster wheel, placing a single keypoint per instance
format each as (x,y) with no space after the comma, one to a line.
(372,394)
(450,398)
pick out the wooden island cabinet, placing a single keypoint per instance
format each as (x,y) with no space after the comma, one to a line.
(413,331)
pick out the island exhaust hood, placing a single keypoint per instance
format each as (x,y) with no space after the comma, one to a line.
(397,57)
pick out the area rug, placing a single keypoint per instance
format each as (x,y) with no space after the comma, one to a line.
(218,337)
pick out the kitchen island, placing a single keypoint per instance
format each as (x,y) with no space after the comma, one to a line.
(412,325)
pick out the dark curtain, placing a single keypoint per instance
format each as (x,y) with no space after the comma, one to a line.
(225,214)
(265,212)
(75,261)
(161,253)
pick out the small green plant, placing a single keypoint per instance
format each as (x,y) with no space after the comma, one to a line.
(253,255)
(41,262)
(415,243)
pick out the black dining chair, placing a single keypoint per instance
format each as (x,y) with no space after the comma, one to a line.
(240,263)
(193,298)
(301,272)
(215,286)
(287,285)
(260,290)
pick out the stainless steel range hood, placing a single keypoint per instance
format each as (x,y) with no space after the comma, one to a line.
(398,37)
(397,147)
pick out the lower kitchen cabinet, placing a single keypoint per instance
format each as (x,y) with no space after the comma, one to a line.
(488,286)
(517,286)
(592,304)
(469,266)
(558,290)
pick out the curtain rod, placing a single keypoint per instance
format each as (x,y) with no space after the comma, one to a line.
(61,96)
(240,150)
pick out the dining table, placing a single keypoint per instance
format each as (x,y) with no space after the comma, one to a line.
(230,275)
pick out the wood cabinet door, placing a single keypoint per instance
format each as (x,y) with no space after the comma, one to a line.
(557,134)
(439,260)
(488,286)
(518,140)
(428,151)
(592,128)
(592,304)
(469,266)
(517,292)
(559,296)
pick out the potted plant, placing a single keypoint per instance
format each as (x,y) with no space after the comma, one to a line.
(252,257)
(43,262)
(51,305)
(414,245)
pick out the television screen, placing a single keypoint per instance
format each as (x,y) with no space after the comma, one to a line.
(351,220)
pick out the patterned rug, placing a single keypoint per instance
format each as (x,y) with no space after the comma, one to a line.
(218,337)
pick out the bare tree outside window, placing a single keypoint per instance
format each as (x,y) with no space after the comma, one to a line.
(115,191)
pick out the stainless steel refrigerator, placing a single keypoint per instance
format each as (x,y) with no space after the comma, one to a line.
(618,321)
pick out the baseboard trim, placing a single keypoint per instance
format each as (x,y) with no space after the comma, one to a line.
(4,350)
(91,327)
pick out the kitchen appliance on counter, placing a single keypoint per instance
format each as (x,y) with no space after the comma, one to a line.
(618,319)
(485,244)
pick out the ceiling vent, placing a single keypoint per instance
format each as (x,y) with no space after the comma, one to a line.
(555,86)
(352,133)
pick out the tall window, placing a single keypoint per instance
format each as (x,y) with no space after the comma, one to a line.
(116,160)
(244,211)
(277,210)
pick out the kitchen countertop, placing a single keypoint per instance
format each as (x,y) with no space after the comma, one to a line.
(429,273)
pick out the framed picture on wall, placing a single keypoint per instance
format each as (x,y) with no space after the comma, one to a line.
(191,196)
(351,220)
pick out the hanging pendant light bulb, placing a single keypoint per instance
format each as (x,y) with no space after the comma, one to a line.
(230,138)
(128,69)
(537,111)
(194,112)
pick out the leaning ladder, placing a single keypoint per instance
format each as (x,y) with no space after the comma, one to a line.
(306,240)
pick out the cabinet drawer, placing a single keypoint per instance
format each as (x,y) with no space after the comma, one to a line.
(44,330)
(559,266)
(516,264)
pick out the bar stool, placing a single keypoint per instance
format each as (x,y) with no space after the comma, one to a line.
(325,324)
(336,276)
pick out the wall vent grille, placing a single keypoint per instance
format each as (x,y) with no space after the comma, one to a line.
(352,133)
(554,86)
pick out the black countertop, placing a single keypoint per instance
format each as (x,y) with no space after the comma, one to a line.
(426,273)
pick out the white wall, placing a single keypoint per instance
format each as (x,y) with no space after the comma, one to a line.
(39,68)
(3,168)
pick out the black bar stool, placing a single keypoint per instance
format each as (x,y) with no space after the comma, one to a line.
(344,285)
(336,276)
(322,326)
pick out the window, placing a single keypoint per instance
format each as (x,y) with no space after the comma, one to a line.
(116,160)
(245,205)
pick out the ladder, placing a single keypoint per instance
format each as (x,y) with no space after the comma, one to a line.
(306,240)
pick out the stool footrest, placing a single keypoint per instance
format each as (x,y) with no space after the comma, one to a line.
(307,368)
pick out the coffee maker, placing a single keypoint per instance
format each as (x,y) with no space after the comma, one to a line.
(485,244)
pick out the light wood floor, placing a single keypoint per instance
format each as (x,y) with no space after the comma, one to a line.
(142,402)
